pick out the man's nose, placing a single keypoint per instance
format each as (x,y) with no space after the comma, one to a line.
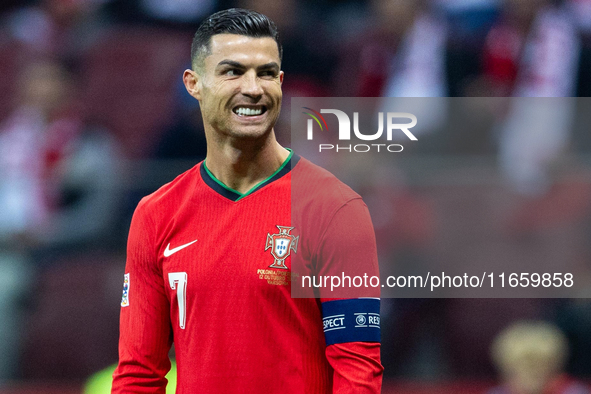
(251,85)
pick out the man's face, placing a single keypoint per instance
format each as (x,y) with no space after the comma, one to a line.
(239,86)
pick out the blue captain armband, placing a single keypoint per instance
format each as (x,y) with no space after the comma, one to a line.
(351,320)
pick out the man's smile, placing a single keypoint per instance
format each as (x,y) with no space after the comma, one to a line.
(249,110)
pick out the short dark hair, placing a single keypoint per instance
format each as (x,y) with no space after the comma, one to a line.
(232,21)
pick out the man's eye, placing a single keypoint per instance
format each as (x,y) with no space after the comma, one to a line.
(269,73)
(232,73)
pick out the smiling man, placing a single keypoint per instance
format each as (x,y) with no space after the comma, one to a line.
(210,255)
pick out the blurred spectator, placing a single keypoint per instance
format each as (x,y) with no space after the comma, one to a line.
(418,66)
(532,138)
(33,140)
(530,357)
(56,27)
(57,185)
(532,51)
(59,173)
(403,53)
(24,193)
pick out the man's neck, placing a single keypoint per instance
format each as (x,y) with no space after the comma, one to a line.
(243,165)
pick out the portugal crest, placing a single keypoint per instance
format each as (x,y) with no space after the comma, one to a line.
(281,245)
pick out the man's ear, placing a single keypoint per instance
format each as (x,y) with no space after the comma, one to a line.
(191,81)
(281,75)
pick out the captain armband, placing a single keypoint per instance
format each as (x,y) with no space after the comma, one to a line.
(351,320)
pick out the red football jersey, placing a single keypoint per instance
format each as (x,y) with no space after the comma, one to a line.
(210,269)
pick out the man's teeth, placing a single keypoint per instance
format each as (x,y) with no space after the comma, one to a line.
(249,111)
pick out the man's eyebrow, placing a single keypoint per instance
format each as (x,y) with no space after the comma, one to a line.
(231,63)
(272,65)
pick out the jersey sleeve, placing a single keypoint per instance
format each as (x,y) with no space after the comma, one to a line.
(145,327)
(351,314)
(357,367)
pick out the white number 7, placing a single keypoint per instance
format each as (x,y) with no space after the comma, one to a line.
(178,281)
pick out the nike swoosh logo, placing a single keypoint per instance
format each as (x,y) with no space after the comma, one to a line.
(169,252)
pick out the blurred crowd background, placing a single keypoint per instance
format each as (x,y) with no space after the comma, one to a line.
(93,116)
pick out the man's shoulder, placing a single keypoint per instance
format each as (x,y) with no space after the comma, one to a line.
(314,182)
(173,192)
